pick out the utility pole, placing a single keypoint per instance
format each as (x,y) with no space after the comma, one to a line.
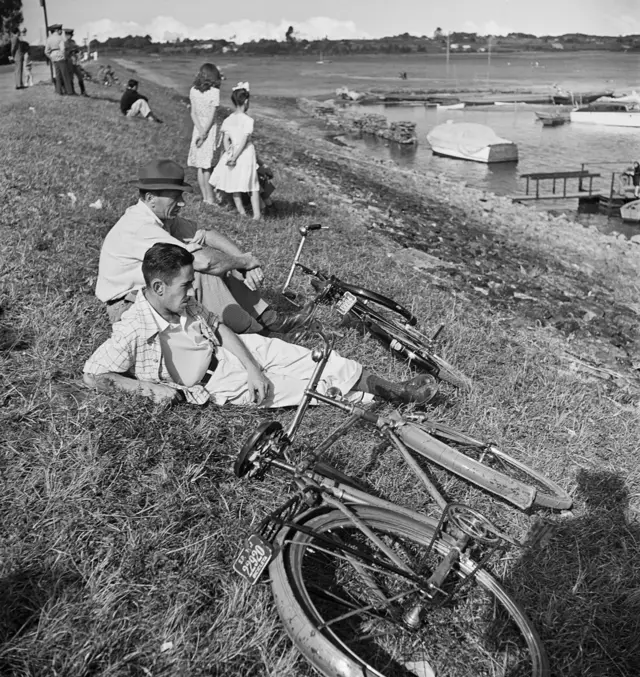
(448,41)
(43,4)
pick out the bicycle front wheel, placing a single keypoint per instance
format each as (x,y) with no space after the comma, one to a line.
(345,610)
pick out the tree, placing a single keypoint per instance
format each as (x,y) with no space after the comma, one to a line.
(10,14)
(437,34)
(289,35)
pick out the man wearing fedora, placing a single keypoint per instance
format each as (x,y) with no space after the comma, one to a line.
(227,280)
(177,350)
(55,51)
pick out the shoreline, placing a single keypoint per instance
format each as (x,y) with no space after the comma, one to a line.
(591,306)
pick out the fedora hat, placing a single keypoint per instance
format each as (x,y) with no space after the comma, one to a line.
(162,175)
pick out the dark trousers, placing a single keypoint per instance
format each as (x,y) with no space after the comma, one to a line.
(77,71)
(18,69)
(63,77)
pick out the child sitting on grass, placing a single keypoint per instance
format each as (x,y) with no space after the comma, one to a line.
(237,170)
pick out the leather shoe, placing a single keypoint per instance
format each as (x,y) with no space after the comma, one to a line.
(419,390)
(283,324)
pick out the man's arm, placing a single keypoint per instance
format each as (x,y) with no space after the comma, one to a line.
(215,262)
(110,381)
(106,368)
(257,383)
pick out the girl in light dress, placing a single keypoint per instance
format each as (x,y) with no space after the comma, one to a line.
(205,99)
(237,170)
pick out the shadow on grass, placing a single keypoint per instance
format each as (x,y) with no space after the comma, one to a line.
(586,583)
(23,596)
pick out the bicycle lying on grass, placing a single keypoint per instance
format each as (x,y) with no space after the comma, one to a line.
(387,320)
(364,586)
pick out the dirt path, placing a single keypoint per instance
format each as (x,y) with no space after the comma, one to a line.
(8,91)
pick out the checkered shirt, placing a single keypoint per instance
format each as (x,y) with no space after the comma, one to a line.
(134,347)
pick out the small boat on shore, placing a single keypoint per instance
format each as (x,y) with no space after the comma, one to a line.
(564,98)
(611,113)
(553,119)
(631,211)
(471,141)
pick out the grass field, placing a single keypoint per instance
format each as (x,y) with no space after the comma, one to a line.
(120,519)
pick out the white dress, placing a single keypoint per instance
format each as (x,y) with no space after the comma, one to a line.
(203,104)
(243,177)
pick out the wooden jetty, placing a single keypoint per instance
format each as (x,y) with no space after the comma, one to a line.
(533,189)
(568,185)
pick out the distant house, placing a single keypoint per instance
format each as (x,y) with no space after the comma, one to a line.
(466,48)
(206,45)
(557,45)
(454,46)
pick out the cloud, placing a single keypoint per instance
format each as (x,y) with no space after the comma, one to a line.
(166,29)
(488,28)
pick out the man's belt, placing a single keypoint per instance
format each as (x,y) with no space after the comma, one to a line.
(129,297)
(209,373)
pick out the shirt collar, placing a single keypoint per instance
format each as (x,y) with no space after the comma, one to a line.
(143,208)
(152,322)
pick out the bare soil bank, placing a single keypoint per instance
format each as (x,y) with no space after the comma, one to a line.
(534,267)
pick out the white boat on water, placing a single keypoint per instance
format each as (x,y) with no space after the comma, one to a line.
(471,141)
(611,113)
(631,211)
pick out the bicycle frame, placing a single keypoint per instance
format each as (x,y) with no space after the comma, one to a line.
(403,436)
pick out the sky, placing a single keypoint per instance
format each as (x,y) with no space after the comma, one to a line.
(244,20)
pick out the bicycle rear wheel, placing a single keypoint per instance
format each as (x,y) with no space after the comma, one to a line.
(409,343)
(344,612)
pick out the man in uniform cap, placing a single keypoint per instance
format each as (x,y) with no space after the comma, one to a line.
(55,51)
(73,60)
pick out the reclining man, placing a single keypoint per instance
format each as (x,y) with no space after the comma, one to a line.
(227,279)
(175,349)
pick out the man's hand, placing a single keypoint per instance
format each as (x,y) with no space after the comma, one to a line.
(159,392)
(258,385)
(254,278)
(249,261)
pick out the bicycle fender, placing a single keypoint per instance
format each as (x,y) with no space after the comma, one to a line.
(518,493)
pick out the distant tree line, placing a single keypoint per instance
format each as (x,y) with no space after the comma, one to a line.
(399,44)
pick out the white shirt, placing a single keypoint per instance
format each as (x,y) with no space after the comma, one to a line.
(120,267)
(186,352)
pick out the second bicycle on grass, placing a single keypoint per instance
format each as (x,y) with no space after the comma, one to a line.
(390,322)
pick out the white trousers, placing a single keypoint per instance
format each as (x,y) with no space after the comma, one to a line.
(139,107)
(287,366)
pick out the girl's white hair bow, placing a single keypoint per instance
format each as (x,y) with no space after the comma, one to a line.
(241,85)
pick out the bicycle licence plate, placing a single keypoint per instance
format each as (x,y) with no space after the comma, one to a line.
(253,558)
(346,303)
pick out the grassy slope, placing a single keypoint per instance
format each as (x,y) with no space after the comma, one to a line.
(121,520)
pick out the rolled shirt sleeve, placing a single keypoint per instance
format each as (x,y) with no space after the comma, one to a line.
(116,355)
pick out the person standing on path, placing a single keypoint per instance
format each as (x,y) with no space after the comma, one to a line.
(73,54)
(17,56)
(205,99)
(55,51)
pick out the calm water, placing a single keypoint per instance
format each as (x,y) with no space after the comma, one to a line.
(541,149)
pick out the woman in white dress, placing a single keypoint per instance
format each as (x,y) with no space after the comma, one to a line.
(237,170)
(205,99)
